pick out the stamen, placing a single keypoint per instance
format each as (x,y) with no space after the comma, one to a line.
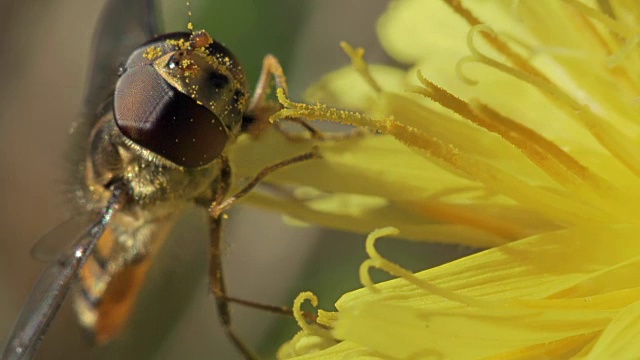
(455,224)
(471,36)
(454,214)
(618,144)
(559,206)
(327,318)
(534,51)
(632,37)
(461,75)
(379,262)
(515,5)
(606,8)
(300,318)
(547,155)
(297,309)
(629,45)
(499,45)
(323,112)
(616,26)
(357,61)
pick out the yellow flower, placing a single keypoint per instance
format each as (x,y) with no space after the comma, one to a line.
(521,124)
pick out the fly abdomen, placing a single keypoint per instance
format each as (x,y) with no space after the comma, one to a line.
(92,282)
(112,278)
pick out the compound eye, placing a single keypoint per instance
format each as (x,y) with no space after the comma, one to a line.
(159,118)
(218,80)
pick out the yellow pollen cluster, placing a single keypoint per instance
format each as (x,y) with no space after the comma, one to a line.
(152,52)
(180,44)
(193,91)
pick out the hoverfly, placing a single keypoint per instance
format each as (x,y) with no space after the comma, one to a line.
(155,141)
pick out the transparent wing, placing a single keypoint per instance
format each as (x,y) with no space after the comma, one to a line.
(36,315)
(52,287)
(123,26)
(59,241)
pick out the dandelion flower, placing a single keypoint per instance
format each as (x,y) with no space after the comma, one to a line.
(515,128)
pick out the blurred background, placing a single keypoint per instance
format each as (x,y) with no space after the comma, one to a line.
(45,46)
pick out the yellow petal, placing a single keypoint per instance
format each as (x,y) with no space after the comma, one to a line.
(620,339)
(533,268)
(534,104)
(519,308)
(410,332)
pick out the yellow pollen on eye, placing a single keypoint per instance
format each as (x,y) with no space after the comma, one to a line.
(180,44)
(152,52)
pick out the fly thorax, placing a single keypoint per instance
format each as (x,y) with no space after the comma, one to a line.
(153,181)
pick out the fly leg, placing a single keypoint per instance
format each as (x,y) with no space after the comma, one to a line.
(219,207)
(261,109)
(216,277)
(216,283)
(271,68)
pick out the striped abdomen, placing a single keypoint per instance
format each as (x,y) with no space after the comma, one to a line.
(110,282)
